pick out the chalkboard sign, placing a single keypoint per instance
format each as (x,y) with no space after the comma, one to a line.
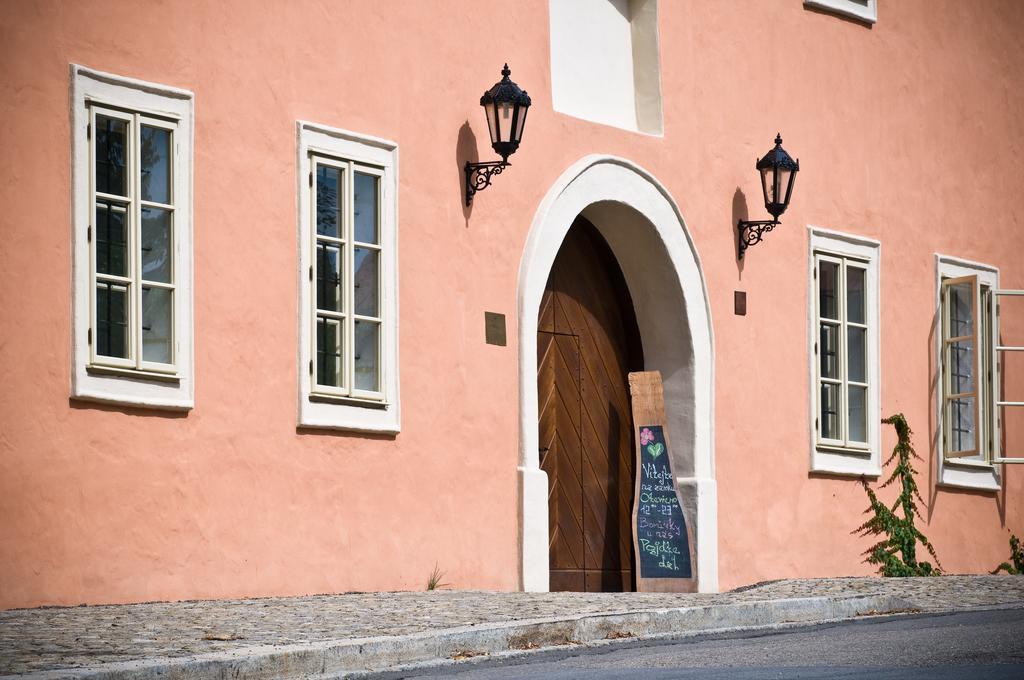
(661,536)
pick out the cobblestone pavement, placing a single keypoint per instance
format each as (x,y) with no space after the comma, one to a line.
(74,637)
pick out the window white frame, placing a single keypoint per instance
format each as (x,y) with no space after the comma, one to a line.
(344,407)
(131,380)
(997,398)
(835,456)
(866,11)
(970,472)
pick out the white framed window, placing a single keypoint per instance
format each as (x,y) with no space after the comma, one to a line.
(970,358)
(348,320)
(132,215)
(843,340)
(864,10)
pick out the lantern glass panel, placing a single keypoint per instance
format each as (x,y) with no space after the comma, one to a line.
(789,186)
(520,123)
(783,185)
(492,122)
(504,121)
(766,185)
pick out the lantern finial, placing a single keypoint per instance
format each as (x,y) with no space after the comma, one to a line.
(778,139)
(506,72)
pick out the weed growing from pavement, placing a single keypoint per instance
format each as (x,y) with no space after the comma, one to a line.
(896,553)
(1016,556)
(434,580)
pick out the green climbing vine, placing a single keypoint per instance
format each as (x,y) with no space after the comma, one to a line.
(1016,556)
(896,553)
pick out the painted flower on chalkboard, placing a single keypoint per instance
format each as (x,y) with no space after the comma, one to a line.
(646,437)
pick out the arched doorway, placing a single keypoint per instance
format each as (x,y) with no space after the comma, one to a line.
(587,343)
(645,231)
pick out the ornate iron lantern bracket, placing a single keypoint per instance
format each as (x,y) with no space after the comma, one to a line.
(478,176)
(751,232)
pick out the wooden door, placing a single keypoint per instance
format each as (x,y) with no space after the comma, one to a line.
(587,343)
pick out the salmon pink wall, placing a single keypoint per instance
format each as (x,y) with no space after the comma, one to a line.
(909,132)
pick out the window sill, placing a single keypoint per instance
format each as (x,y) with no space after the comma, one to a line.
(94,369)
(330,412)
(845,8)
(845,462)
(972,485)
(977,476)
(969,464)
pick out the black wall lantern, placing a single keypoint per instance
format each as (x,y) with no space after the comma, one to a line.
(506,106)
(778,173)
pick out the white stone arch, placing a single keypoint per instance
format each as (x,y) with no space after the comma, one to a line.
(642,224)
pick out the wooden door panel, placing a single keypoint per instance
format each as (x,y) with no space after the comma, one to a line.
(587,344)
(558,377)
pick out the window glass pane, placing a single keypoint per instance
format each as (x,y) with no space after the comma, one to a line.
(855,294)
(328,201)
(367,345)
(961,312)
(830,398)
(366,208)
(156,164)
(329,352)
(855,347)
(112,320)
(961,367)
(829,350)
(858,413)
(111,239)
(111,155)
(961,424)
(157,309)
(828,282)
(328,278)
(156,245)
(366,281)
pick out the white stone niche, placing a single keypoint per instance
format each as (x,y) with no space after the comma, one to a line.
(605,63)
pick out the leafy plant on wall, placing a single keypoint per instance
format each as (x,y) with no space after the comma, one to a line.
(1016,557)
(896,553)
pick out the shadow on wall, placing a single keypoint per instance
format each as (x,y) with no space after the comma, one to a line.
(136,411)
(933,425)
(839,17)
(465,152)
(739,212)
(304,431)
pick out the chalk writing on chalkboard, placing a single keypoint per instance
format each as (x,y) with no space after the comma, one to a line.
(660,526)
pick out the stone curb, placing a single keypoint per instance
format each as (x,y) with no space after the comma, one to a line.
(358,656)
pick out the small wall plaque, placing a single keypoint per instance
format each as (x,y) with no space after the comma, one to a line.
(739,302)
(494,328)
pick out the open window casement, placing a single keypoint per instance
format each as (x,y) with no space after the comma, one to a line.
(999,398)
(961,368)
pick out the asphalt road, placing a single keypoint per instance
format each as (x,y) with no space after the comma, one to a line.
(977,645)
